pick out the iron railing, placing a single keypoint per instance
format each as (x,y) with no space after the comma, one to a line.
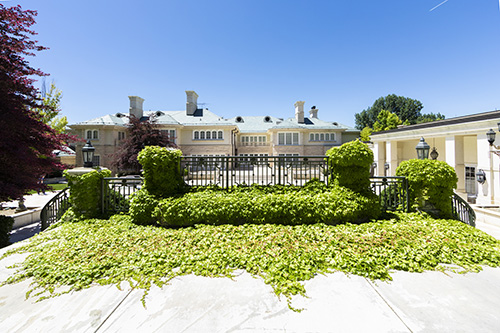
(55,208)
(116,192)
(226,171)
(462,211)
(392,192)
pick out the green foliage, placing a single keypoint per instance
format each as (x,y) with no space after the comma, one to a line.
(430,180)
(161,171)
(365,134)
(349,166)
(142,207)
(407,109)
(84,253)
(386,121)
(85,192)
(261,205)
(6,223)
(428,117)
(50,116)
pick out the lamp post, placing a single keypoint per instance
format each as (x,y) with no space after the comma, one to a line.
(88,155)
(422,149)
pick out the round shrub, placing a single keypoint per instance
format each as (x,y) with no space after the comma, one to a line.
(432,181)
(142,207)
(349,166)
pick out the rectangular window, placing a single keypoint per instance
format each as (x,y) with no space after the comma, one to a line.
(281,138)
(288,138)
(295,138)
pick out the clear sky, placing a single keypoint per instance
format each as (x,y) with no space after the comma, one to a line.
(258,57)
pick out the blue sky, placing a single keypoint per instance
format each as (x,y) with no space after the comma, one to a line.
(253,57)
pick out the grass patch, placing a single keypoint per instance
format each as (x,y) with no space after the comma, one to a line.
(52,187)
(80,254)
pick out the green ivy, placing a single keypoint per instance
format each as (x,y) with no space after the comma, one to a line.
(83,253)
(259,204)
(429,181)
(161,170)
(349,165)
(85,192)
(142,207)
(6,223)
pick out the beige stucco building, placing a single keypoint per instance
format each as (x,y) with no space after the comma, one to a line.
(200,132)
(460,141)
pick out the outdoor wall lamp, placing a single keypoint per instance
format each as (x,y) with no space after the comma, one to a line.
(434,154)
(88,155)
(480,176)
(423,149)
(491,136)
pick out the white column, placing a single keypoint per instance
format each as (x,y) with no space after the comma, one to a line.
(391,157)
(486,191)
(450,150)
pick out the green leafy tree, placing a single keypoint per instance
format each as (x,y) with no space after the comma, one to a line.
(365,133)
(428,117)
(50,115)
(405,108)
(386,121)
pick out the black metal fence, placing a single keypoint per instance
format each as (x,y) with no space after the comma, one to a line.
(226,171)
(116,192)
(55,208)
(392,192)
(462,211)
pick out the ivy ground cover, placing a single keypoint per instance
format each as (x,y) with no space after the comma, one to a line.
(82,253)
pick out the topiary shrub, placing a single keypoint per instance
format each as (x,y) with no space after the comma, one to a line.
(349,166)
(86,193)
(430,181)
(142,207)
(161,171)
(6,223)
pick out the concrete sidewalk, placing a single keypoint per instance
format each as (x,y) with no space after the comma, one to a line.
(427,302)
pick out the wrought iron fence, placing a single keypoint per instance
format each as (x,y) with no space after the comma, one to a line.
(116,192)
(392,192)
(462,211)
(55,208)
(226,171)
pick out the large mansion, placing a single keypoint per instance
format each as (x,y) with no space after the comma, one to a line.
(198,132)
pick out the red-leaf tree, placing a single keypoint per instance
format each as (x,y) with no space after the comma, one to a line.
(26,143)
(139,135)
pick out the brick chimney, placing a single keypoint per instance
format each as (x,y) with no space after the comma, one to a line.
(136,106)
(313,113)
(192,102)
(299,111)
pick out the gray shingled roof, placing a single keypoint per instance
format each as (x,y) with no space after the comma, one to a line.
(310,123)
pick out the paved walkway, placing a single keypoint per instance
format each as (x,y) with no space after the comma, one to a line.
(427,302)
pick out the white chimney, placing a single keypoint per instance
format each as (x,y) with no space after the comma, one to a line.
(313,113)
(192,102)
(136,106)
(299,111)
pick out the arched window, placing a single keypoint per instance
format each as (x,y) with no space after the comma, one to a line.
(214,135)
(220,136)
(327,137)
(316,137)
(332,136)
(311,137)
(89,135)
(202,135)
(196,135)
(96,134)
(208,135)
(322,137)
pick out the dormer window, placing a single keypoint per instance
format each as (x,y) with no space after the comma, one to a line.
(239,119)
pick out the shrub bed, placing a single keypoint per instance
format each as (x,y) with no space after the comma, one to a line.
(260,205)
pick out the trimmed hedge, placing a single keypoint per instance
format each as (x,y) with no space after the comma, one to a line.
(6,223)
(430,181)
(349,165)
(279,205)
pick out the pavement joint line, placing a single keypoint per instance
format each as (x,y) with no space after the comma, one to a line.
(113,311)
(390,307)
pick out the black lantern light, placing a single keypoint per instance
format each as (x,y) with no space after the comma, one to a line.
(88,155)
(434,154)
(422,149)
(491,136)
